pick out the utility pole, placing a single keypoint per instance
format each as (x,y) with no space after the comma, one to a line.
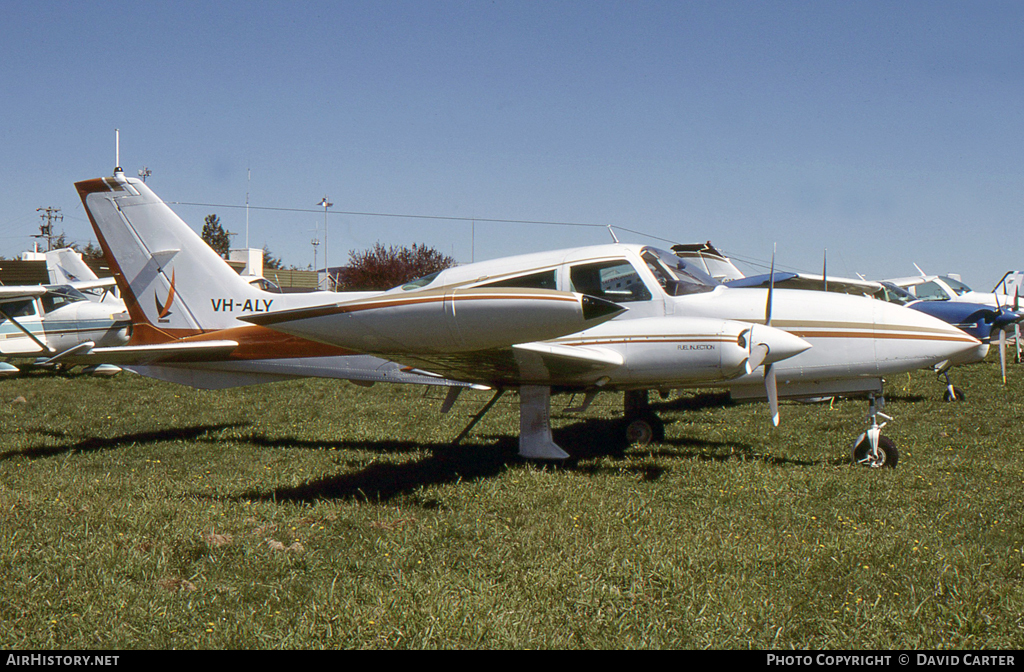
(49,216)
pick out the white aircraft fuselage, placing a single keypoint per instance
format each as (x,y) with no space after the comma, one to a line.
(55,321)
(851,338)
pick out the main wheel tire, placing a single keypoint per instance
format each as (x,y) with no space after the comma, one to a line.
(639,433)
(645,429)
(887,456)
(956,395)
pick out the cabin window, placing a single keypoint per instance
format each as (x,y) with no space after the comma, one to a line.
(16,309)
(614,281)
(420,283)
(544,280)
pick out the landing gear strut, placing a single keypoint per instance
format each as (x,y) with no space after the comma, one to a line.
(871,449)
(642,424)
(952,393)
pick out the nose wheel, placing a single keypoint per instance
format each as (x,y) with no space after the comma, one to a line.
(871,449)
(952,393)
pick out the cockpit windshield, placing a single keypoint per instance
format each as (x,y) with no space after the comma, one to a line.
(677,276)
(957,286)
(895,294)
(60,296)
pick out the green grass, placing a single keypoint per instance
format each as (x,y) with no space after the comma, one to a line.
(138,514)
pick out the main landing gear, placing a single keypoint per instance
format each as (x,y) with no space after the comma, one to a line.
(871,449)
(642,424)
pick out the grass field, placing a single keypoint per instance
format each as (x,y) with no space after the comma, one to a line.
(138,514)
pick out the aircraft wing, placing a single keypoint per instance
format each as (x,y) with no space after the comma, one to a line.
(15,293)
(98,283)
(811,281)
(524,363)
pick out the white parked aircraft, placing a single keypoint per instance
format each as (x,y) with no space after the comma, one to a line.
(856,341)
(950,288)
(48,323)
(495,334)
(494,323)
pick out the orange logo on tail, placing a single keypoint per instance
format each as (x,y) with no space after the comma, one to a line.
(163,310)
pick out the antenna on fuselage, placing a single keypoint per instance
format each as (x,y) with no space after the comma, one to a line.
(117,152)
(613,234)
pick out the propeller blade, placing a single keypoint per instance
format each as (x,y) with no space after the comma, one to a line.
(1002,353)
(756,358)
(773,393)
(1016,338)
(824,270)
(771,288)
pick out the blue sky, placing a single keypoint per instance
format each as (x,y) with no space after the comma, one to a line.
(888,133)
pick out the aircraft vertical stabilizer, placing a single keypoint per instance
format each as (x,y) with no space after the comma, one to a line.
(167,270)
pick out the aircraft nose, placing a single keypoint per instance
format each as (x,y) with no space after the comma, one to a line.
(781,344)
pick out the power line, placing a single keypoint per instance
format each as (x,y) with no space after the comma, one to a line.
(447,218)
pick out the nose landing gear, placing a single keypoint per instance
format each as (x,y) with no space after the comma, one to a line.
(871,449)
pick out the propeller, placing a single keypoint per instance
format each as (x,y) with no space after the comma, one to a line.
(1002,353)
(1016,325)
(1003,326)
(769,370)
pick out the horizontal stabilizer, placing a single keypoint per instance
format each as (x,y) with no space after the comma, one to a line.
(189,351)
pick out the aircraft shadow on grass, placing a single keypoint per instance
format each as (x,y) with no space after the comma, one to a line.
(586,440)
(89,444)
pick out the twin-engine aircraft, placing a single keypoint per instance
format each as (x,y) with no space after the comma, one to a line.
(197,322)
(534,323)
(841,344)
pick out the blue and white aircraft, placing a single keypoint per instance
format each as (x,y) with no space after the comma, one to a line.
(47,323)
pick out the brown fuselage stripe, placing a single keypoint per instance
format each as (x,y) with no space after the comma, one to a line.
(323,311)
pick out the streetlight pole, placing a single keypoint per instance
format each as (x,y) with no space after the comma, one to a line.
(327,266)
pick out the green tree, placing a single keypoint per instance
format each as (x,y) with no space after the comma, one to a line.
(92,252)
(215,235)
(270,261)
(382,267)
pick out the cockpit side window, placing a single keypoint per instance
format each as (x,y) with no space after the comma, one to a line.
(929,291)
(542,280)
(614,280)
